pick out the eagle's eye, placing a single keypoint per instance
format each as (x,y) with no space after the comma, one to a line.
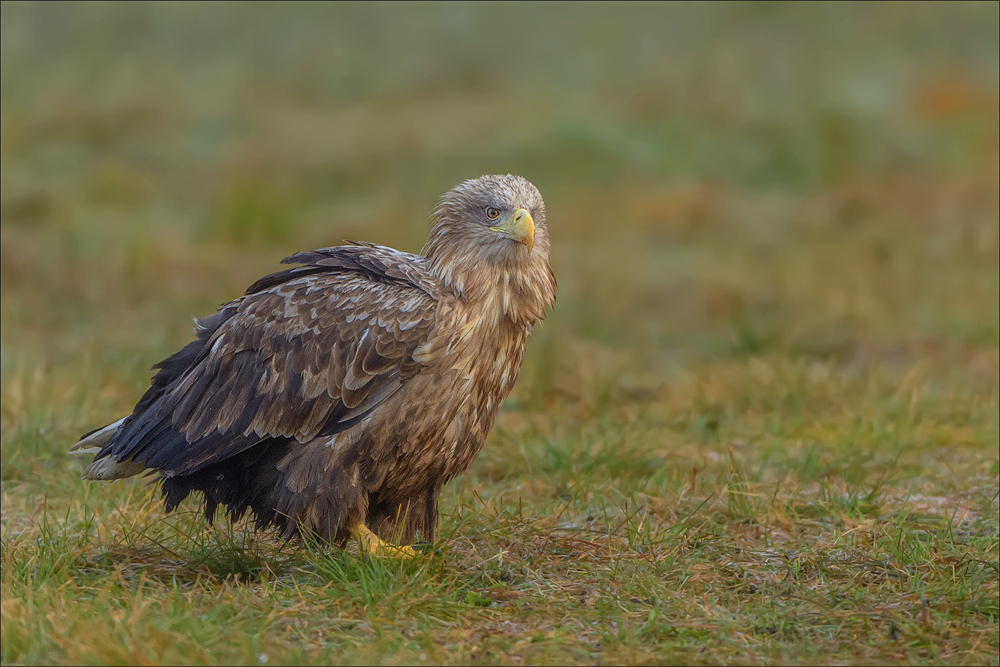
(492,213)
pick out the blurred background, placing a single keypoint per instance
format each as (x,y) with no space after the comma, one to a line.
(723,181)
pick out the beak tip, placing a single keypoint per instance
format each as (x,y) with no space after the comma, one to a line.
(520,226)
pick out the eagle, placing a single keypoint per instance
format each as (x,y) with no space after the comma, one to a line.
(336,398)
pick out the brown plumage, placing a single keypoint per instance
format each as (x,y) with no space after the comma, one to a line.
(345,392)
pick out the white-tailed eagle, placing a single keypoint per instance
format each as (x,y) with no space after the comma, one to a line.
(339,396)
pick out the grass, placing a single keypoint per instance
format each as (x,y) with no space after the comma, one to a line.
(761,425)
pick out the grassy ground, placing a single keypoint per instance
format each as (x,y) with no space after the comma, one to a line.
(761,425)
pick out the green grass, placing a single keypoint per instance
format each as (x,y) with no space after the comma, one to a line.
(761,425)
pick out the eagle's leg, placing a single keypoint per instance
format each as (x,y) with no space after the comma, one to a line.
(371,544)
(401,521)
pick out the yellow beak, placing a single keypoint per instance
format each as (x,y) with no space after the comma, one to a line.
(518,226)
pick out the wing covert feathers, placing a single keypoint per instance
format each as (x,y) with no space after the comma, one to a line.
(306,352)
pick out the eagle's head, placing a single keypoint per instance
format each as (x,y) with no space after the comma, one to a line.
(493,219)
(491,228)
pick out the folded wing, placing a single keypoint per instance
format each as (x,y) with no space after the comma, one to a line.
(308,352)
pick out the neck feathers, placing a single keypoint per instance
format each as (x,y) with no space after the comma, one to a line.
(515,288)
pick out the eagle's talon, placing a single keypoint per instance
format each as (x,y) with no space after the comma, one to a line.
(372,545)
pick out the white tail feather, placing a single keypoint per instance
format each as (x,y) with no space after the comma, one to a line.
(110,468)
(94,442)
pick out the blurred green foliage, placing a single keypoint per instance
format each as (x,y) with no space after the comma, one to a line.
(672,141)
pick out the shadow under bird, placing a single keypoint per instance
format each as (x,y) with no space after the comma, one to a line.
(336,398)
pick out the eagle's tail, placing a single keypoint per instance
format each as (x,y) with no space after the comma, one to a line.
(93,442)
(107,467)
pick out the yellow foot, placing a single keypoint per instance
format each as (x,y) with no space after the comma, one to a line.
(371,544)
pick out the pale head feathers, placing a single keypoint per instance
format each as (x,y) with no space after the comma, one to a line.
(480,264)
